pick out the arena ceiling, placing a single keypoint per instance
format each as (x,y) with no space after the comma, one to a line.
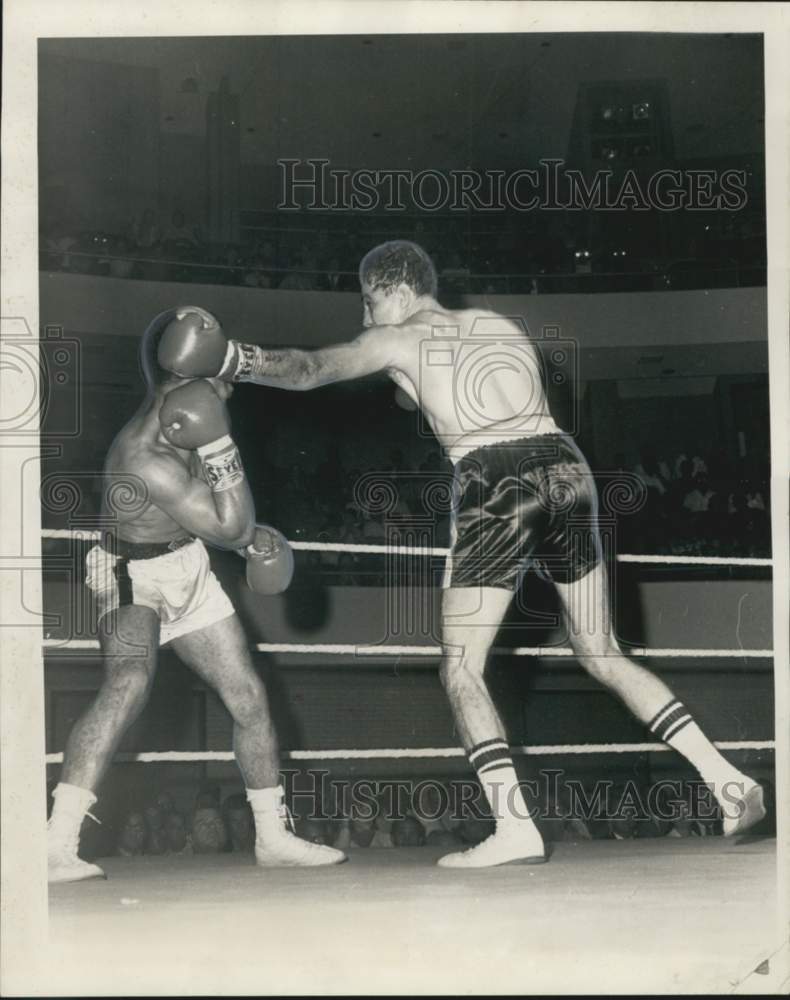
(442,101)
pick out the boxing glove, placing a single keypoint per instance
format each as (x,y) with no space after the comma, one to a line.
(193,415)
(270,561)
(193,344)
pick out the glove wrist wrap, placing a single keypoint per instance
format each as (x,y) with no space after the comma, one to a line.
(221,464)
(239,362)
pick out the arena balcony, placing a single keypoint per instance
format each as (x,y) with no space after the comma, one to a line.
(234,265)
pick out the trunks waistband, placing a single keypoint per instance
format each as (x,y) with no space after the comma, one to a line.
(142,550)
(513,442)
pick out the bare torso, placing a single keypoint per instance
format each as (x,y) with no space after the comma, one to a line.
(136,448)
(476,376)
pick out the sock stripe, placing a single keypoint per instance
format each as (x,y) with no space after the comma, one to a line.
(659,717)
(662,730)
(497,755)
(668,723)
(486,745)
(675,728)
(480,752)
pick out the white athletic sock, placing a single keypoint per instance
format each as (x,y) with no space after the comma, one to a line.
(674,725)
(267,810)
(70,807)
(494,765)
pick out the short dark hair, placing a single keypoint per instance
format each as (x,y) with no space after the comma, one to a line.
(153,373)
(399,262)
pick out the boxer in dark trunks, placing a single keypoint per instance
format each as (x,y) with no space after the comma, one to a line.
(524,492)
(182,480)
(521,502)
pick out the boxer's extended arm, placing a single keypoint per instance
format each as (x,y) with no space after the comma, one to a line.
(223,518)
(295,369)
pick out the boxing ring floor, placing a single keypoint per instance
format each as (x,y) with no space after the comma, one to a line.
(651,915)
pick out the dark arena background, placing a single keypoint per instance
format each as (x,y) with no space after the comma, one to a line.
(209,171)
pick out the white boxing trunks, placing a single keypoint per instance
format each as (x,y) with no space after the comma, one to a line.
(179,586)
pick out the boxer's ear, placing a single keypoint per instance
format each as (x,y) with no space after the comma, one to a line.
(404,296)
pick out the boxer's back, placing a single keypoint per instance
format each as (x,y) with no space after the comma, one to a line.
(476,376)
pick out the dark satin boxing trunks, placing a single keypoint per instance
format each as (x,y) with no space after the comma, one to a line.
(522,503)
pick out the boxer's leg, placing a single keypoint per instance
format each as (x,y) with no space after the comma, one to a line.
(587,611)
(129,639)
(130,642)
(471,617)
(219,654)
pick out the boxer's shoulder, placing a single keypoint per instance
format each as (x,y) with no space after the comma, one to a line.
(158,468)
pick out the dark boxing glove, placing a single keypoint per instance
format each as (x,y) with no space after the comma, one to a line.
(270,561)
(193,345)
(193,417)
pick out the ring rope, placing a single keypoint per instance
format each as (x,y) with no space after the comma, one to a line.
(349,649)
(427,550)
(196,756)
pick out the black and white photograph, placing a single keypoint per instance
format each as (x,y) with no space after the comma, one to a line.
(395,474)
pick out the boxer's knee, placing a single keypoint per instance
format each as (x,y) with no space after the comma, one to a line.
(127,685)
(247,702)
(459,673)
(602,665)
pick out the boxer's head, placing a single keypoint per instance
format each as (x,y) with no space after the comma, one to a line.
(393,276)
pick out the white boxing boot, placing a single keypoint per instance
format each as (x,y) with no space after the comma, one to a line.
(512,843)
(275,844)
(63,834)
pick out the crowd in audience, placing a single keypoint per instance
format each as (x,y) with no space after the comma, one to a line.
(694,503)
(699,504)
(423,813)
(508,256)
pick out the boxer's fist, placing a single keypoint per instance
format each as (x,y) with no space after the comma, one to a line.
(193,344)
(270,561)
(193,416)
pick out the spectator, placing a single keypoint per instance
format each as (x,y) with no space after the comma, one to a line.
(407,832)
(239,823)
(698,499)
(362,831)
(342,840)
(120,250)
(754,498)
(209,835)
(302,277)
(208,796)
(156,841)
(473,829)
(337,280)
(177,837)
(313,830)
(180,232)
(165,802)
(145,231)
(432,808)
(649,471)
(133,834)
(382,830)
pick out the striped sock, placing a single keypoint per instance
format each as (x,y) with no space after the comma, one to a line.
(675,726)
(494,765)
